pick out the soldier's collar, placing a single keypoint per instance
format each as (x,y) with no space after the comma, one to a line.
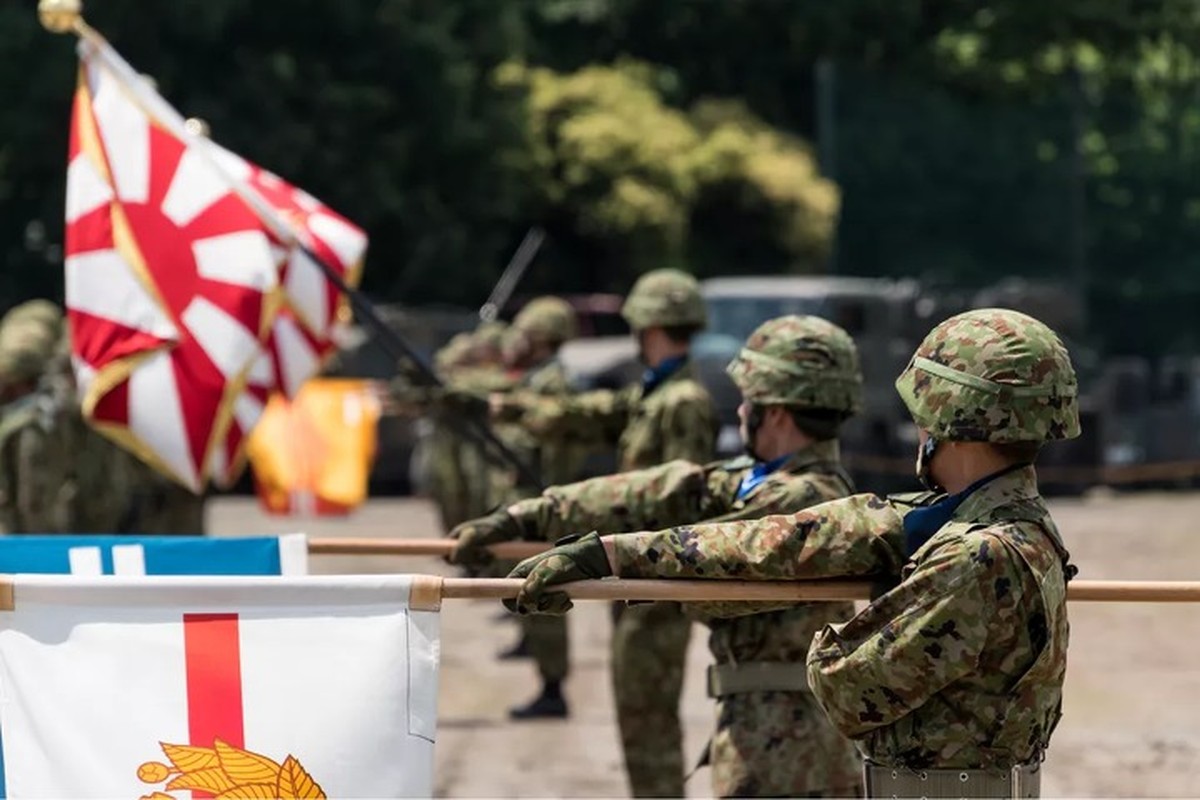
(1018,482)
(828,451)
(656,376)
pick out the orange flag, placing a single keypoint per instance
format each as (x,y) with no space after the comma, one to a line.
(313,454)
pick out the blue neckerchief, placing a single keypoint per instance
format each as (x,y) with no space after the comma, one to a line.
(653,377)
(758,474)
(922,523)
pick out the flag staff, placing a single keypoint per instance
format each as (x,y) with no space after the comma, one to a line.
(339,546)
(66,16)
(795,591)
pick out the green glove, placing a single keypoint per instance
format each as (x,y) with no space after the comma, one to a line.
(471,538)
(574,558)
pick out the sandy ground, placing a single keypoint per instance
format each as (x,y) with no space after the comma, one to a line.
(1131,726)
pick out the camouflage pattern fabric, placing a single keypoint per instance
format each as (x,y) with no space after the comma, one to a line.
(800,361)
(961,665)
(675,421)
(556,461)
(159,506)
(665,298)
(459,472)
(992,375)
(34,467)
(766,743)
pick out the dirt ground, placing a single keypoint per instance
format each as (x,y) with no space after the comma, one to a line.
(1130,727)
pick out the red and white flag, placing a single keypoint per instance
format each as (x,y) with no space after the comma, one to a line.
(189,293)
(227,687)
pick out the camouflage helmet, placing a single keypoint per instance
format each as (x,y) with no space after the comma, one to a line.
(26,349)
(800,361)
(992,375)
(547,318)
(42,312)
(665,298)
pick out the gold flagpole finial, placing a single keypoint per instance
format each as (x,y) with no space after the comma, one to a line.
(60,16)
(197,127)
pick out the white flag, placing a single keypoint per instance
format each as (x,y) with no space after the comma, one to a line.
(229,687)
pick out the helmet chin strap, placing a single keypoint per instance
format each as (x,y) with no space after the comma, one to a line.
(754,421)
(925,462)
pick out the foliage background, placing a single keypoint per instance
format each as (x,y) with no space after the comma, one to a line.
(959,142)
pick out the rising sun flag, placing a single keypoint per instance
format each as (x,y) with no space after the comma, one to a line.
(191,285)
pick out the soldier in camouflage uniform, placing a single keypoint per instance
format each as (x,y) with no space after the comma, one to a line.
(458,472)
(538,331)
(800,380)
(34,454)
(667,416)
(90,480)
(951,682)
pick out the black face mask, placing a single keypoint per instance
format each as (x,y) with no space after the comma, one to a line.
(754,421)
(925,461)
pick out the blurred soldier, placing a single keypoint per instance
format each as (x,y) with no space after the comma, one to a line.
(538,332)
(159,505)
(34,457)
(800,380)
(457,471)
(667,416)
(96,492)
(951,682)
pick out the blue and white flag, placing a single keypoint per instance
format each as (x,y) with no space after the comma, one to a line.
(154,555)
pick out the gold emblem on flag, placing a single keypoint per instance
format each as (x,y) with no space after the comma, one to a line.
(228,773)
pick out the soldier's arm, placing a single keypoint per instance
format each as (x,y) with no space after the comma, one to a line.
(906,646)
(855,536)
(596,417)
(689,429)
(773,498)
(668,494)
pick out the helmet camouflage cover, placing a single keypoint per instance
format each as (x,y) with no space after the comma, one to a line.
(43,312)
(665,298)
(800,361)
(26,348)
(548,318)
(992,375)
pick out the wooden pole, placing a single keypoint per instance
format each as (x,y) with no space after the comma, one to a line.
(698,590)
(416,547)
(720,590)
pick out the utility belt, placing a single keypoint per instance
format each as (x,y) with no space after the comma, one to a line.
(756,676)
(1022,780)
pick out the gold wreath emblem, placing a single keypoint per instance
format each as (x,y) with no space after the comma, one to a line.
(228,773)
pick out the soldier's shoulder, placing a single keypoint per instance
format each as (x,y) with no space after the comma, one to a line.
(809,487)
(734,464)
(905,501)
(686,392)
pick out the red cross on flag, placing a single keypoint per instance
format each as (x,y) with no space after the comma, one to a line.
(189,291)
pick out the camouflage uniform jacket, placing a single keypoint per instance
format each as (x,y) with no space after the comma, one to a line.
(556,461)
(961,665)
(34,474)
(674,421)
(681,492)
(767,743)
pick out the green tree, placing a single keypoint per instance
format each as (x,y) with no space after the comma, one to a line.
(634,183)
